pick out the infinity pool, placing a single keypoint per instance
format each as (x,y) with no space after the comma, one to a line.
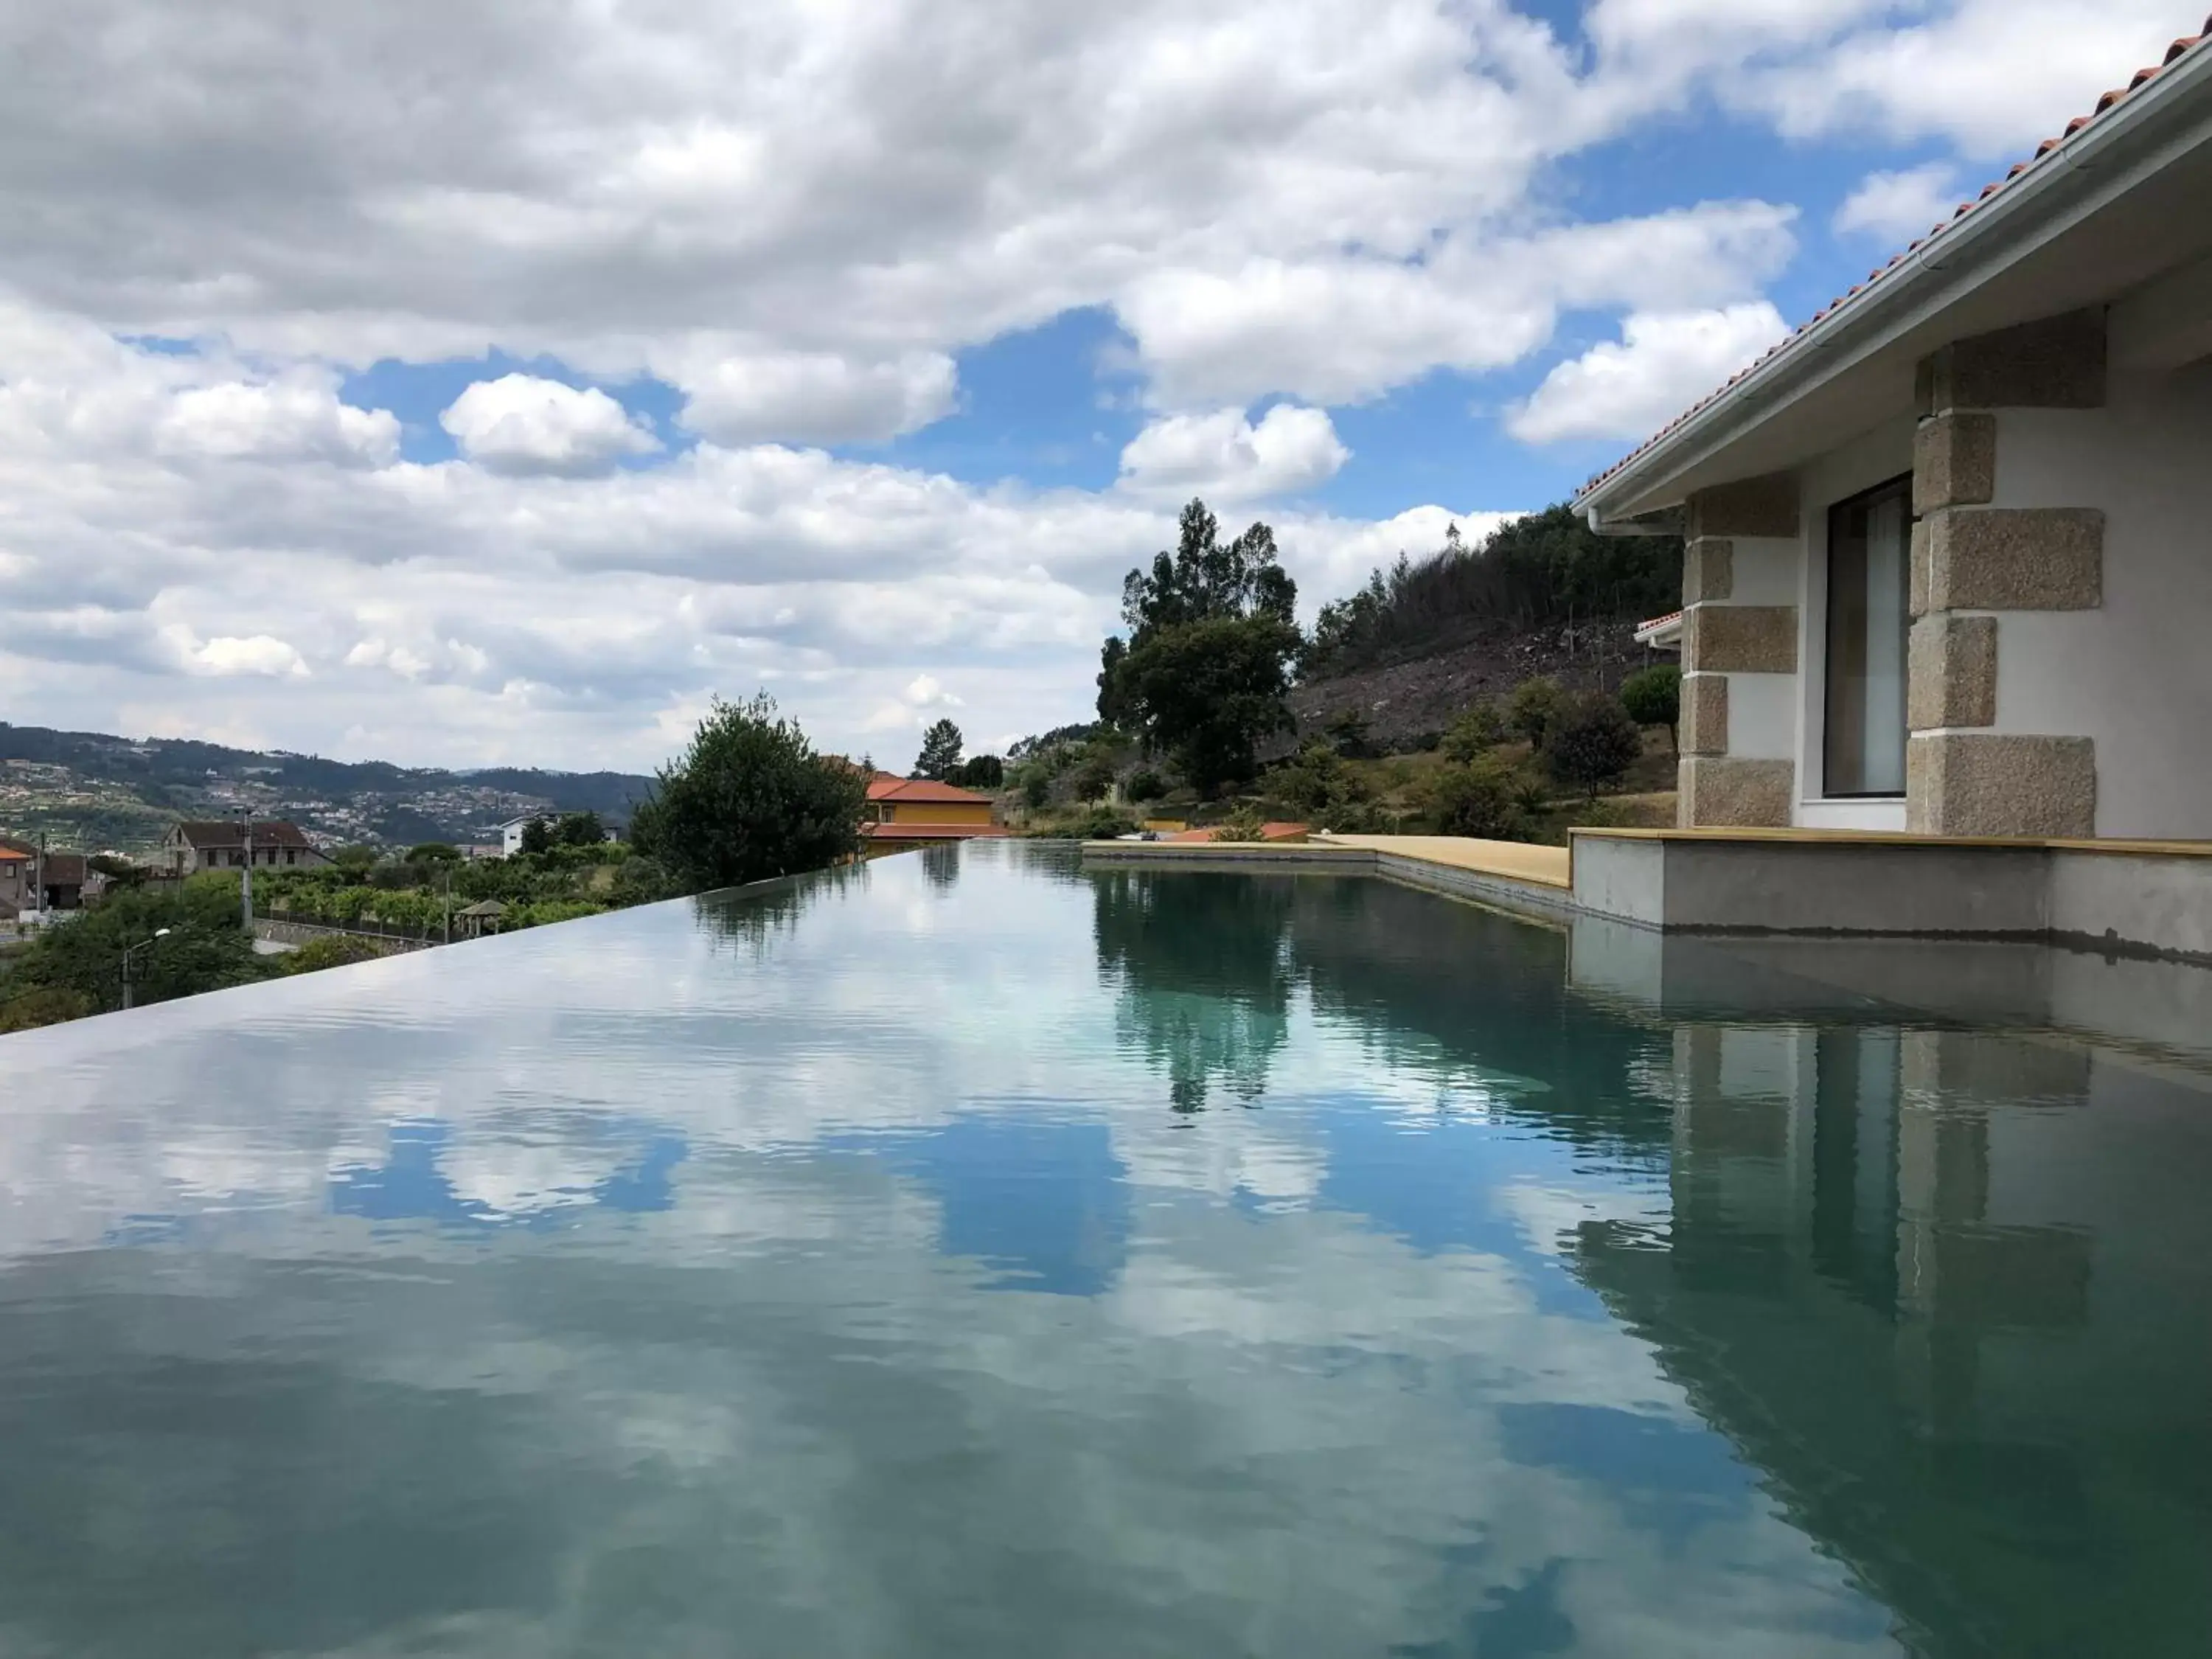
(969,1254)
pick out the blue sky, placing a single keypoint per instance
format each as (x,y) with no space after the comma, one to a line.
(856,355)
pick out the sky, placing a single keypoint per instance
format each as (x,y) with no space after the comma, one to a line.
(476,384)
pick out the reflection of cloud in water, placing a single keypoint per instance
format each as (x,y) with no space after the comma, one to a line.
(425,1176)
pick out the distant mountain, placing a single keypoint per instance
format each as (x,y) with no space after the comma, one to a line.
(90,790)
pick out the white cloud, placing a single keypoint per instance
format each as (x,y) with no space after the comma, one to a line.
(1341,328)
(1993,77)
(227,656)
(520,423)
(811,396)
(1899,207)
(1663,363)
(296,417)
(927,692)
(1224,457)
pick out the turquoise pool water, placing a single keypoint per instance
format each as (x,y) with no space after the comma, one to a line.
(972,1255)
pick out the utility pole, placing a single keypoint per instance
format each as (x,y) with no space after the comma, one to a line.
(449,904)
(246,885)
(38,879)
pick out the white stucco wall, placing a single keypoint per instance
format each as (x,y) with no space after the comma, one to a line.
(2135,675)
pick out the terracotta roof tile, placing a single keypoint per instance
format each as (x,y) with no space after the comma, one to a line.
(2110,100)
(885,786)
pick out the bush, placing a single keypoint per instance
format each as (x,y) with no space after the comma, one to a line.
(1316,781)
(1529,710)
(1479,799)
(1477,730)
(336,951)
(1103,824)
(1352,818)
(434,852)
(1242,824)
(1653,696)
(1590,742)
(1037,788)
(749,799)
(1348,733)
(1144,784)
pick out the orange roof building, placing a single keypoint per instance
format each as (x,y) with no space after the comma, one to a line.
(904,812)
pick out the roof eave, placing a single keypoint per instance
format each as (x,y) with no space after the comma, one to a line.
(2062,185)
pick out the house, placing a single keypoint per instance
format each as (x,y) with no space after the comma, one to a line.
(1948,568)
(510,834)
(221,844)
(904,812)
(55,881)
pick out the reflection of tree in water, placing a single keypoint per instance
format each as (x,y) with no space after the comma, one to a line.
(757,915)
(1198,960)
(941,864)
(1483,991)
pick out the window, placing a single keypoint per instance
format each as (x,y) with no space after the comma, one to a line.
(1868,571)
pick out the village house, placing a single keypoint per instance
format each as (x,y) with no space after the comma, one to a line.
(221,844)
(904,812)
(57,881)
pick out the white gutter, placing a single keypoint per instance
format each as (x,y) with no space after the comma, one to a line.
(1960,258)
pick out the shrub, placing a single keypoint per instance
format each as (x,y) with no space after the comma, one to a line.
(1037,788)
(1103,824)
(1590,742)
(336,950)
(1352,818)
(1529,710)
(1242,824)
(1653,696)
(1317,780)
(1479,799)
(1144,784)
(1348,733)
(1480,729)
(434,852)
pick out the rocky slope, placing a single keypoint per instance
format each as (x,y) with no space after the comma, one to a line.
(1407,700)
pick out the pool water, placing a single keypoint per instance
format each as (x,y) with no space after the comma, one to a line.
(971,1254)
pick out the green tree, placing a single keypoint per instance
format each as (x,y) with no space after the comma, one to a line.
(537,835)
(1590,742)
(982,772)
(355,857)
(1653,696)
(940,751)
(1094,778)
(1144,784)
(1210,692)
(579,829)
(749,799)
(183,937)
(1479,799)
(1529,711)
(434,852)
(1476,731)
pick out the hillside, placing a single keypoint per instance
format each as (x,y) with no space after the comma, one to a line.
(1409,699)
(1423,640)
(95,791)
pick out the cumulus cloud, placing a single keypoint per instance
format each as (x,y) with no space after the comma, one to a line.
(1992,76)
(765,206)
(1897,207)
(811,396)
(520,423)
(1225,457)
(1662,362)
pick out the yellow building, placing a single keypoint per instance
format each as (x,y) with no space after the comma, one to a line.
(904,812)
